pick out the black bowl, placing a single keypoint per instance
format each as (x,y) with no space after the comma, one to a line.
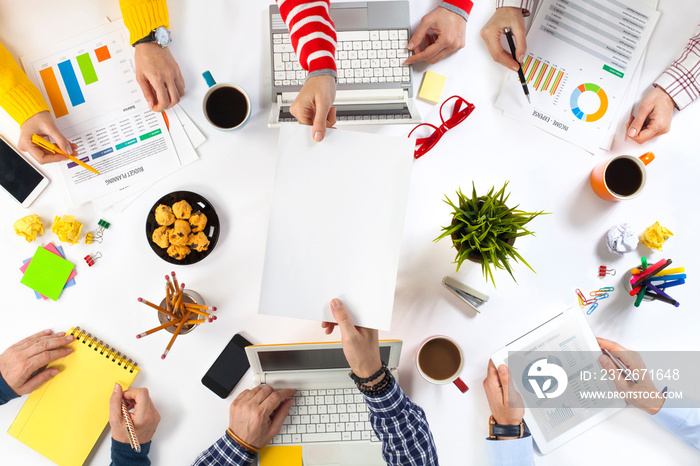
(198,203)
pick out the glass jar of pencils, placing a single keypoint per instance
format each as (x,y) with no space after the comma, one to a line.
(188,297)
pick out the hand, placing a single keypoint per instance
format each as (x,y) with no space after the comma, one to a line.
(145,416)
(506,17)
(256,415)
(158,75)
(499,393)
(653,117)
(360,344)
(22,364)
(633,361)
(314,105)
(42,124)
(440,32)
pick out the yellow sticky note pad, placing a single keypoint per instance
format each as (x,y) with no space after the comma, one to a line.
(281,456)
(431,89)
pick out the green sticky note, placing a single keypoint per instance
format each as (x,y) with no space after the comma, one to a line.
(281,456)
(47,273)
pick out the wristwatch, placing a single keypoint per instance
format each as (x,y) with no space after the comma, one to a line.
(160,35)
(500,430)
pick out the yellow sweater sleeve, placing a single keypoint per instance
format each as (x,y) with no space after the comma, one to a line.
(143,16)
(18,96)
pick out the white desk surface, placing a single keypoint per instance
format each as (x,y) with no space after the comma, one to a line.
(235,172)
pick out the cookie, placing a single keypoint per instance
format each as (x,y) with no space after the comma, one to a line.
(161,236)
(199,242)
(182,209)
(198,221)
(180,233)
(178,252)
(164,215)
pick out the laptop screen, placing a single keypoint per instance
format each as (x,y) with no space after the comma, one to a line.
(309,359)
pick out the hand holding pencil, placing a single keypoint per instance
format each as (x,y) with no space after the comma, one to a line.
(145,416)
(54,149)
(43,124)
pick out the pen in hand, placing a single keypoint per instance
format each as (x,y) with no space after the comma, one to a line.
(53,148)
(133,440)
(521,76)
(620,365)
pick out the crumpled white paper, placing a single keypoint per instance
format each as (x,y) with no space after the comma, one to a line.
(621,239)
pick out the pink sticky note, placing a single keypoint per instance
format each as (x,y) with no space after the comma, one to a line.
(51,248)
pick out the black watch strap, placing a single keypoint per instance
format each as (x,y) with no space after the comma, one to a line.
(149,38)
(501,430)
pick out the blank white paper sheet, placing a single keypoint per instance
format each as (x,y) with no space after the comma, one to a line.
(336,224)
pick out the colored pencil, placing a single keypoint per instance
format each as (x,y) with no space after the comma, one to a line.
(158,308)
(662,264)
(160,327)
(200,306)
(43,143)
(670,284)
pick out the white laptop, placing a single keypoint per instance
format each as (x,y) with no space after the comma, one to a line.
(329,418)
(373,86)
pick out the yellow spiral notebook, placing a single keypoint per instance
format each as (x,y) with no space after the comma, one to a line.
(63,418)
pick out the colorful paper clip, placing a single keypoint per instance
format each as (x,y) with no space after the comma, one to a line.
(593,307)
(90,260)
(96,235)
(603,270)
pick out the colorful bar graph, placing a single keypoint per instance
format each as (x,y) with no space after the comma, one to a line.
(54,92)
(86,68)
(541,76)
(70,80)
(102,54)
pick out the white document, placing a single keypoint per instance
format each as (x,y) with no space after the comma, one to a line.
(336,224)
(90,85)
(569,336)
(582,55)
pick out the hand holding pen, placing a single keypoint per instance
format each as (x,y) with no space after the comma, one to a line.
(144,418)
(633,364)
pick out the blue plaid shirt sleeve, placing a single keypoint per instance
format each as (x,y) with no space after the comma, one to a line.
(225,452)
(403,429)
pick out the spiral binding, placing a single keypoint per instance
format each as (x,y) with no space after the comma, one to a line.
(105,350)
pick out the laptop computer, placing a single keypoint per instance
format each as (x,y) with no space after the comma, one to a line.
(329,418)
(373,86)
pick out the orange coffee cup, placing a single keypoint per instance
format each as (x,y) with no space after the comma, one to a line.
(621,177)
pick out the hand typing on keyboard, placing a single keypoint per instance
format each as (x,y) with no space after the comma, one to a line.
(440,33)
(257,415)
(314,105)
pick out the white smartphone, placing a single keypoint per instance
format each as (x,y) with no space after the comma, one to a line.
(18,177)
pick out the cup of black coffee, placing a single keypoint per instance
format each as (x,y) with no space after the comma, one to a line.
(621,177)
(226,106)
(439,360)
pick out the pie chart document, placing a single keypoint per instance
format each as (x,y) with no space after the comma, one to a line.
(581,65)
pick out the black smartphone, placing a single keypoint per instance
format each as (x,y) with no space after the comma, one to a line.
(229,367)
(18,177)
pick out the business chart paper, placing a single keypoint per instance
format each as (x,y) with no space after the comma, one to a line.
(582,55)
(336,224)
(90,85)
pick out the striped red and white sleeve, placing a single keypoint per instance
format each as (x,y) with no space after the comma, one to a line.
(461,7)
(312,33)
(682,79)
(525,5)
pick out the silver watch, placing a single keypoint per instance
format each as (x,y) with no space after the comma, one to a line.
(160,35)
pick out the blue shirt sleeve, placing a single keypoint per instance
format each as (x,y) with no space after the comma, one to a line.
(225,452)
(123,455)
(683,422)
(513,452)
(403,429)
(6,393)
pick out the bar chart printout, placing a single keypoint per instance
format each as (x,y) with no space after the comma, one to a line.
(90,84)
(582,56)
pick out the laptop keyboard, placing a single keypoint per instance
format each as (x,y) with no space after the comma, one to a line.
(362,57)
(330,415)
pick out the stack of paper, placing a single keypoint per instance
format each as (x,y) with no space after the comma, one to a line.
(580,67)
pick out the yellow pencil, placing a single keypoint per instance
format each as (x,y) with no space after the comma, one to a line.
(43,143)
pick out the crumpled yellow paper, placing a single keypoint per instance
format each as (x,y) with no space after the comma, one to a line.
(67,228)
(29,227)
(654,236)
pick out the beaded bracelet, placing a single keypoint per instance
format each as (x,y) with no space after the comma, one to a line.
(382,387)
(359,380)
(245,445)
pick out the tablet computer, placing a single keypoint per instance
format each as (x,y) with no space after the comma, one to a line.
(550,367)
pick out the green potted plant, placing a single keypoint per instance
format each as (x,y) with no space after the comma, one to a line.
(483,229)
